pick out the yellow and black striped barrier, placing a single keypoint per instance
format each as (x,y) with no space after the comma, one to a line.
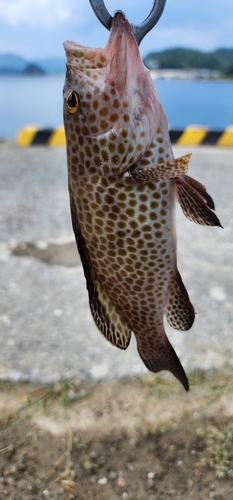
(190,136)
(196,136)
(34,136)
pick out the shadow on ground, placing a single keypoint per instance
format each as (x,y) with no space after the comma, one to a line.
(63,254)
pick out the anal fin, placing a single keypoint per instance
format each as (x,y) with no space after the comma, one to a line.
(195,202)
(180,313)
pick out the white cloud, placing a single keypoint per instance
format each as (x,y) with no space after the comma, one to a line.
(183,37)
(45,13)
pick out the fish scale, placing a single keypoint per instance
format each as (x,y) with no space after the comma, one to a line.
(123,184)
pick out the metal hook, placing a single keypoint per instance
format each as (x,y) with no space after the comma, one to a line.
(140,30)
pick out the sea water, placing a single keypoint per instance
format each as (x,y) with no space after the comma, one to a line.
(38,101)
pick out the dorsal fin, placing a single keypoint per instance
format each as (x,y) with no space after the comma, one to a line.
(105,315)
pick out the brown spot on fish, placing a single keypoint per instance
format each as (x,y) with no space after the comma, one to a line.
(92,118)
(143,197)
(142,218)
(143,208)
(103,111)
(133,203)
(121,148)
(124,134)
(95,104)
(105,96)
(104,124)
(116,103)
(111,147)
(114,117)
(94,130)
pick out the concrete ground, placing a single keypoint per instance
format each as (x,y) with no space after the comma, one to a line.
(46,329)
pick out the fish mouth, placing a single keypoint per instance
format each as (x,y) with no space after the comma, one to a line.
(116,57)
(120,58)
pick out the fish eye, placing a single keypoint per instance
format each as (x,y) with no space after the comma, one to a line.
(72,102)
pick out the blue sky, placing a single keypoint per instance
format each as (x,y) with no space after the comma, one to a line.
(36,29)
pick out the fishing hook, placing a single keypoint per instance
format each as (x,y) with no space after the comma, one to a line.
(140,30)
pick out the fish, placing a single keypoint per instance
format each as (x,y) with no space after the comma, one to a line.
(123,183)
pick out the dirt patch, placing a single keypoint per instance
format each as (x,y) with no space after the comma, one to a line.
(133,439)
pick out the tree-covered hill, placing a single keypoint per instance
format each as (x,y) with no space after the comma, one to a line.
(181,58)
(11,64)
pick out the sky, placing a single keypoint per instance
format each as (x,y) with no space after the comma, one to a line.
(36,29)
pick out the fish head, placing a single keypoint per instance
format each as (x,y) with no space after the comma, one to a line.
(111,107)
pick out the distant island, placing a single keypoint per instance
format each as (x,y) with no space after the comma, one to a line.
(176,62)
(215,64)
(10,64)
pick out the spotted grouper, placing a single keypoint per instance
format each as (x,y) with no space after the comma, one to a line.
(123,184)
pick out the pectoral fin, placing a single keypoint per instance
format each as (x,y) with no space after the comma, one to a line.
(180,313)
(195,202)
(201,189)
(105,315)
(168,170)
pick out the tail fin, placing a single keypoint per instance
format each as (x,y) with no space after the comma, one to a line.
(158,354)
